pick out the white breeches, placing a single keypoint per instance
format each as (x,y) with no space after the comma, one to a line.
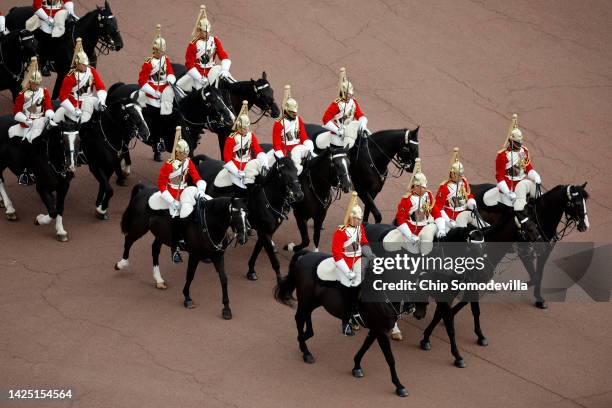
(298,154)
(251,170)
(164,103)
(463,219)
(423,246)
(30,133)
(188,200)
(328,271)
(524,188)
(88,105)
(351,130)
(57,29)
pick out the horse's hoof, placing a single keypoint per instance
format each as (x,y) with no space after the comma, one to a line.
(122,181)
(188,304)
(161,285)
(425,345)
(62,237)
(483,342)
(157,157)
(358,373)
(308,358)
(397,336)
(101,216)
(252,275)
(541,305)
(227,314)
(36,221)
(1,204)
(11,216)
(289,247)
(401,392)
(460,363)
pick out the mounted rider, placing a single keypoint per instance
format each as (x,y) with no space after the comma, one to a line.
(343,117)
(82,90)
(416,214)
(516,177)
(244,159)
(289,137)
(175,194)
(454,200)
(49,21)
(155,75)
(33,110)
(200,57)
(348,243)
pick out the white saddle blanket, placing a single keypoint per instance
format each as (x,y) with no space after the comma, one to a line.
(351,130)
(492,197)
(223,179)
(327,271)
(395,241)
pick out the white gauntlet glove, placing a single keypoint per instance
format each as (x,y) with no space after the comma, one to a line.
(471,204)
(441,224)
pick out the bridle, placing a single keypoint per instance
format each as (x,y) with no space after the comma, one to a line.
(22,62)
(400,164)
(124,146)
(258,97)
(226,240)
(569,222)
(105,43)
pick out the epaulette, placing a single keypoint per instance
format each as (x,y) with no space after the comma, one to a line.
(148,59)
(71,72)
(525,147)
(502,150)
(169,161)
(342,227)
(406,195)
(338,100)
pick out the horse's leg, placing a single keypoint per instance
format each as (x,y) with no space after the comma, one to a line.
(11,214)
(219,262)
(103,191)
(425,342)
(316,235)
(127,245)
(303,228)
(385,346)
(449,323)
(303,317)
(269,247)
(192,265)
(482,340)
(251,274)
(155,250)
(108,194)
(60,199)
(357,370)
(539,274)
(221,137)
(123,170)
(370,206)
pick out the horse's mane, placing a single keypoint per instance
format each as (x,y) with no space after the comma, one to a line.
(389,132)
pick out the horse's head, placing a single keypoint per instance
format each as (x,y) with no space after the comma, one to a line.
(27,44)
(575,207)
(264,96)
(128,114)
(70,149)
(410,149)
(218,113)
(284,174)
(239,219)
(340,170)
(108,28)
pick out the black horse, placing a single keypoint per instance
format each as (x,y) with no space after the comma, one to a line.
(258,93)
(474,239)
(198,110)
(98,29)
(106,140)
(370,158)
(269,201)
(52,158)
(567,202)
(329,170)
(16,50)
(205,234)
(311,292)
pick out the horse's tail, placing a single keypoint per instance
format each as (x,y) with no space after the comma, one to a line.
(283,292)
(127,214)
(199,158)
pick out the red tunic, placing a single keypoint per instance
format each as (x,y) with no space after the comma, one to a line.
(442,199)
(47,8)
(40,111)
(164,183)
(191,58)
(338,246)
(70,88)
(503,170)
(230,151)
(407,203)
(333,110)
(278,136)
(145,76)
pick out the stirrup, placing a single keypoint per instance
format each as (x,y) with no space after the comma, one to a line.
(176,256)
(357,319)
(24,179)
(347,330)
(161,146)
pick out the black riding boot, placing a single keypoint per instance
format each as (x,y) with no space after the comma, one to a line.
(352,312)
(177,240)
(45,48)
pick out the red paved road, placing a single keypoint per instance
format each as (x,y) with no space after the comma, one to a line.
(457,68)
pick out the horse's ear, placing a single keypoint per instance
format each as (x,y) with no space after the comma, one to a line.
(264,75)
(107,6)
(584,185)
(417,129)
